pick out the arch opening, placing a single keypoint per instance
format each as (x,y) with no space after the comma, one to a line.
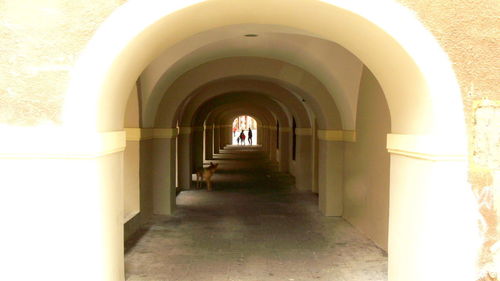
(247,126)
(412,131)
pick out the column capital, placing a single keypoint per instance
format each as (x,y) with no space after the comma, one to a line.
(426,147)
(303,131)
(337,135)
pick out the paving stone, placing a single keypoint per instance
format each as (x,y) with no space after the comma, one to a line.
(254,226)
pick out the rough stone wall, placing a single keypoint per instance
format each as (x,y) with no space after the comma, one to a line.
(39,43)
(469,32)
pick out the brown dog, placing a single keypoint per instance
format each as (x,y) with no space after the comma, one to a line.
(206,174)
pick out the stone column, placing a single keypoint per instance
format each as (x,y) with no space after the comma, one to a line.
(265,139)
(185,164)
(303,165)
(227,134)
(209,140)
(66,184)
(272,143)
(433,232)
(217,137)
(164,156)
(315,149)
(285,149)
(198,150)
(330,172)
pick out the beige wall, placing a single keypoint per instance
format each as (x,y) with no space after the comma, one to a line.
(43,39)
(50,216)
(226,42)
(278,72)
(302,165)
(131,179)
(145,195)
(330,177)
(468,32)
(163,172)
(366,170)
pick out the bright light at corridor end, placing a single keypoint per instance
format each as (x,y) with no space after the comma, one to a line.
(244,130)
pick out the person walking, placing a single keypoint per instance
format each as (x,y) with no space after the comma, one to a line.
(242,137)
(249,136)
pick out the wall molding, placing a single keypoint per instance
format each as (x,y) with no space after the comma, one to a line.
(337,135)
(349,136)
(59,144)
(165,133)
(197,129)
(330,135)
(303,131)
(268,127)
(426,147)
(185,130)
(130,215)
(140,134)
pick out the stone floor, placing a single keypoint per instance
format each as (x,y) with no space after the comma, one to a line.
(254,226)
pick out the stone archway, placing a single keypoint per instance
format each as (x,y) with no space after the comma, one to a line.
(427,143)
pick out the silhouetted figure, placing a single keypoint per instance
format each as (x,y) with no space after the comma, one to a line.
(242,137)
(250,136)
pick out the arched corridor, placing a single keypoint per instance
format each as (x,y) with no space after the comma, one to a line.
(254,226)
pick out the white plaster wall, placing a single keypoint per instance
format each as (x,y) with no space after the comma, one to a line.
(433,221)
(51,218)
(366,170)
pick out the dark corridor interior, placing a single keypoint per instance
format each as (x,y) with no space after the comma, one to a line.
(254,226)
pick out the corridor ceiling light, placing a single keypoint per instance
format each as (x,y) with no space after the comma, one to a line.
(251,35)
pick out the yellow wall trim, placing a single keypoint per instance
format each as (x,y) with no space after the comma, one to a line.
(337,135)
(349,136)
(303,131)
(165,133)
(50,143)
(267,127)
(130,215)
(140,134)
(185,130)
(285,130)
(219,126)
(425,147)
(197,129)
(330,135)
